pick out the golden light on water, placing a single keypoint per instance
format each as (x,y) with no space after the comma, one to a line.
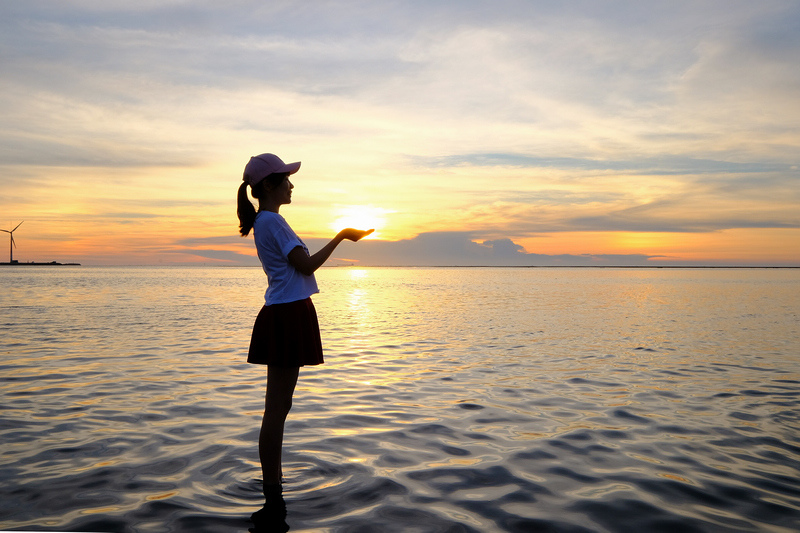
(358,274)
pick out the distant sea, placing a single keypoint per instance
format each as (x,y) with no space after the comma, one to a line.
(452,400)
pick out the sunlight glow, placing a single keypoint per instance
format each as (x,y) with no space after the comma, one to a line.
(689,157)
(358,273)
(360,217)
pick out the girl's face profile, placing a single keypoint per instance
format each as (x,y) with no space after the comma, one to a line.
(283,192)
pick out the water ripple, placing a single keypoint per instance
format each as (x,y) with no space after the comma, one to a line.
(453,400)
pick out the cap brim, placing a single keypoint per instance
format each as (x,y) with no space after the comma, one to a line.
(291,168)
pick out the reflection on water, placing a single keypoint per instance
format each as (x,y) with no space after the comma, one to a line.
(356,323)
(451,400)
(271,518)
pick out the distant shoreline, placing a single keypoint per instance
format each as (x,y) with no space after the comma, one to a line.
(632,267)
(33,263)
(589,266)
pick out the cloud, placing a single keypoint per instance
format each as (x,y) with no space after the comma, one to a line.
(461,249)
(427,249)
(665,164)
(495,120)
(221,257)
(222,249)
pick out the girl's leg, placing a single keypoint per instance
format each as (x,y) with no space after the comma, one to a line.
(280,388)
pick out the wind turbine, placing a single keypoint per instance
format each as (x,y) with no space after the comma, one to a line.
(12,244)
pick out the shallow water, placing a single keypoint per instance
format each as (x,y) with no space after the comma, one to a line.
(452,400)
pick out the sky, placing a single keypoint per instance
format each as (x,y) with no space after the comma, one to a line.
(465,132)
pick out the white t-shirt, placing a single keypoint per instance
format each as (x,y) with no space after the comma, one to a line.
(274,240)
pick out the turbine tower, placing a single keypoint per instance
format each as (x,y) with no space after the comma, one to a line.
(12,244)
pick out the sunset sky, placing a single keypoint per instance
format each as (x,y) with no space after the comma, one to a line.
(493,132)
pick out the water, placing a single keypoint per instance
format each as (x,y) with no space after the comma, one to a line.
(452,400)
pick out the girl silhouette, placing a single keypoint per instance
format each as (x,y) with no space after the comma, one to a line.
(286,332)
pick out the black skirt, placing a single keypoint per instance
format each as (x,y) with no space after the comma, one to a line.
(286,335)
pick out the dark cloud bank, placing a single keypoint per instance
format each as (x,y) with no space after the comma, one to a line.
(459,249)
(434,249)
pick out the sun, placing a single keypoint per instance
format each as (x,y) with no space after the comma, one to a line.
(360,217)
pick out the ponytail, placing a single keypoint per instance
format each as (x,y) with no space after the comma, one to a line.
(245,210)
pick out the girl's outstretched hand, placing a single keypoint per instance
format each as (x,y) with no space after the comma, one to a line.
(354,234)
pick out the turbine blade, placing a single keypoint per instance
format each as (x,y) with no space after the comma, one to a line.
(18,225)
(5,230)
(12,240)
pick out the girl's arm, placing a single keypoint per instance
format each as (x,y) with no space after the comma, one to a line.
(308,264)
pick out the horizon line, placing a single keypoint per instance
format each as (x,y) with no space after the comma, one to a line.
(205,265)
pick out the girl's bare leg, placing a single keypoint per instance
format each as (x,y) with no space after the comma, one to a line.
(280,388)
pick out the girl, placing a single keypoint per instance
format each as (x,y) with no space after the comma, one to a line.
(286,332)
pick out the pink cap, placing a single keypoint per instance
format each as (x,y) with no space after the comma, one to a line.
(261,166)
